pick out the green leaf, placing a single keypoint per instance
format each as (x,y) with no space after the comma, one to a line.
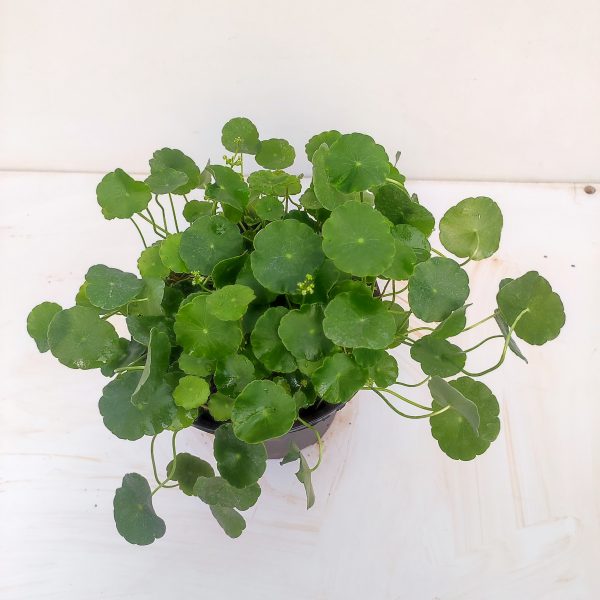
(202,334)
(111,288)
(395,203)
(166,180)
(216,491)
(504,329)
(240,135)
(404,261)
(183,418)
(315,142)
(453,324)
(245,276)
(328,196)
(309,199)
(285,253)
(355,163)
(274,183)
(455,433)
(268,208)
(38,322)
(545,314)
(413,238)
(230,520)
(438,356)
(303,474)
(140,326)
(150,264)
(208,241)
(194,209)
(130,422)
(436,288)
(229,188)
(169,253)
(301,332)
(196,365)
(120,196)
(472,228)
(338,379)
(226,271)
(219,406)
(401,319)
(157,363)
(275,154)
(382,367)
(357,320)
(149,301)
(230,303)
(241,464)
(170,160)
(233,373)
(358,239)
(134,514)
(191,392)
(79,339)
(187,470)
(266,343)
(262,411)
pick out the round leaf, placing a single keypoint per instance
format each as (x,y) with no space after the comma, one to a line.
(472,228)
(38,322)
(263,411)
(437,287)
(404,261)
(134,514)
(230,303)
(226,271)
(438,356)
(395,203)
(275,154)
(191,392)
(285,253)
(413,238)
(171,160)
(200,333)
(355,163)
(120,196)
(109,288)
(358,239)
(216,491)
(166,180)
(194,209)
(240,135)
(79,339)
(315,142)
(327,195)
(274,183)
(219,406)
(301,332)
(229,188)
(268,208)
(187,470)
(208,241)
(545,314)
(233,373)
(196,365)
(169,253)
(338,379)
(453,324)
(266,343)
(150,264)
(357,320)
(241,464)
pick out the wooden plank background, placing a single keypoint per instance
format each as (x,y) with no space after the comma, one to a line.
(394,517)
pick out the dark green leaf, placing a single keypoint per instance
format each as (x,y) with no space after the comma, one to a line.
(268,208)
(111,288)
(301,332)
(229,188)
(395,203)
(230,520)
(233,373)
(274,183)
(187,470)
(170,160)
(303,474)
(338,379)
(194,209)
(266,343)
(157,362)
(315,142)
(38,322)
(453,324)
(327,195)
(438,356)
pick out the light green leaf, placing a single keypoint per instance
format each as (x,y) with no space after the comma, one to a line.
(120,196)
(472,228)
(274,183)
(219,406)
(230,520)
(338,379)
(453,324)
(355,163)
(266,343)
(358,239)
(196,365)
(150,264)
(404,261)
(183,418)
(38,322)
(301,332)
(241,464)
(268,208)
(194,209)
(170,160)
(191,392)
(169,253)
(275,154)
(309,199)
(315,142)
(187,470)
(230,302)
(436,288)
(233,373)
(262,411)
(327,195)
(240,135)
(157,363)
(229,188)
(303,474)
(133,511)
(438,356)
(395,203)
(166,180)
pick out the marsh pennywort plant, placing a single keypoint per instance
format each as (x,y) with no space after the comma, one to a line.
(274,300)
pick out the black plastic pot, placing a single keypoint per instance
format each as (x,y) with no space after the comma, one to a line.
(320,418)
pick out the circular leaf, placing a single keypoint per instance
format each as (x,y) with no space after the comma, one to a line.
(338,379)
(453,324)
(274,183)
(413,238)
(219,406)
(200,333)
(301,332)
(111,288)
(275,154)
(196,365)
(545,314)
(216,491)
(233,374)
(208,241)
(357,320)
(191,392)
(171,160)
(230,303)
(134,514)
(79,339)
(120,196)
(262,411)
(355,163)
(285,253)
(358,239)
(438,356)
(241,464)
(169,253)
(240,135)
(327,195)
(38,322)
(382,367)
(187,470)
(266,343)
(226,271)
(268,208)
(452,430)
(150,264)
(315,142)
(437,287)
(194,209)
(394,202)
(166,180)
(404,261)
(472,228)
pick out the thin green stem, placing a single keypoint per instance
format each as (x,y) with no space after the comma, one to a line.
(139,231)
(153,459)
(478,323)
(394,290)
(407,416)
(130,368)
(438,253)
(162,210)
(155,224)
(394,182)
(111,313)
(164,483)
(465,262)
(487,339)
(403,398)
(413,385)
(185,198)
(319,441)
(174,213)
(385,287)
(421,329)
(504,349)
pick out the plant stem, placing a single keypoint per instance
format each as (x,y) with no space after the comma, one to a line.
(438,253)
(163,484)
(111,313)
(420,329)
(139,231)
(319,441)
(413,384)
(153,221)
(403,398)
(131,368)
(185,198)
(406,416)
(155,224)
(385,287)
(478,323)
(162,209)
(174,213)
(394,290)
(487,339)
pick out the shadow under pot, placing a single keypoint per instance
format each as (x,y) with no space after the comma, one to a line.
(320,418)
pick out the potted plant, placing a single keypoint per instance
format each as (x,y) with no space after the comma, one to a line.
(274,306)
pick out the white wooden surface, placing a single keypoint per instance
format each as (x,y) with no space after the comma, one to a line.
(394,518)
